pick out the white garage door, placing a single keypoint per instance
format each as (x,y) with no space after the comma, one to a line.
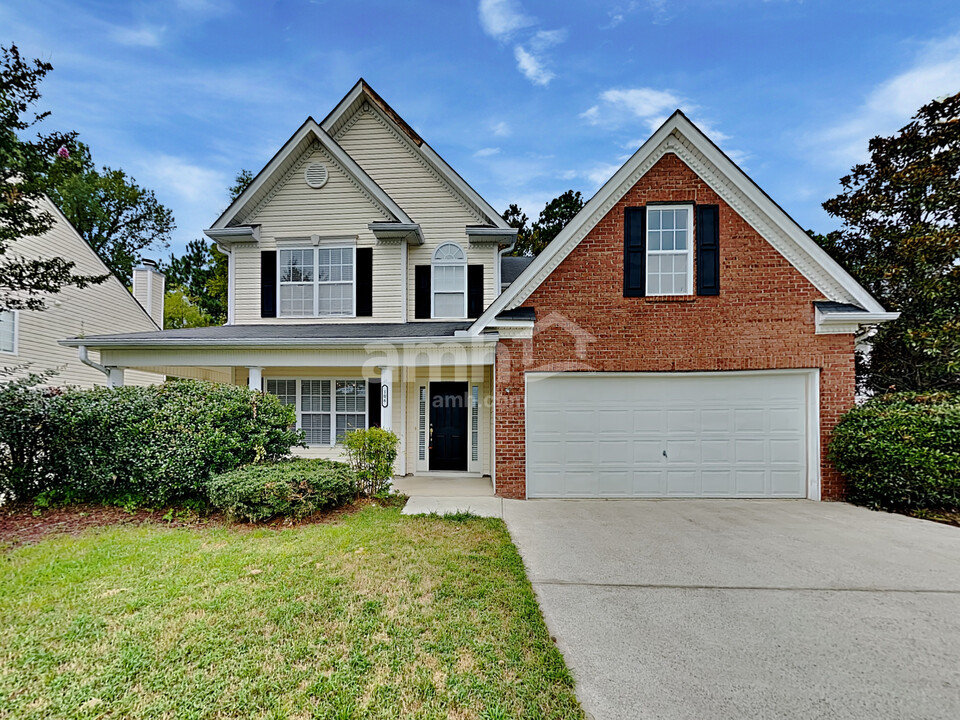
(736,434)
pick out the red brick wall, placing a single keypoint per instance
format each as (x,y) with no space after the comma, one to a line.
(762,319)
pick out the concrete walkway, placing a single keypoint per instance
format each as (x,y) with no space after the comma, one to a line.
(447,495)
(747,609)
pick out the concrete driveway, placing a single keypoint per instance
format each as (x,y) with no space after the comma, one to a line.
(747,609)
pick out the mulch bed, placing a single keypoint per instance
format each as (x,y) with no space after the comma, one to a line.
(941,516)
(22,524)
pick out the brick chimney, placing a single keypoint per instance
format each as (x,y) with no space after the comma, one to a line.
(148,289)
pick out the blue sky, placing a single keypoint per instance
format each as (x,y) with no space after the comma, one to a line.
(524,98)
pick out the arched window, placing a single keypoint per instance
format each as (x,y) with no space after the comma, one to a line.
(449,281)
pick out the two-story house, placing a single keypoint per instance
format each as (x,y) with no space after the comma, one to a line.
(682,336)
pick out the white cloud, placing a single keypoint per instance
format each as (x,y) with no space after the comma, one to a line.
(890,105)
(532,67)
(501,18)
(599,174)
(531,60)
(618,106)
(183,178)
(501,128)
(144,36)
(486,152)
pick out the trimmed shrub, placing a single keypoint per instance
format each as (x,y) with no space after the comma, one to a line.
(24,436)
(371,454)
(149,445)
(292,488)
(901,452)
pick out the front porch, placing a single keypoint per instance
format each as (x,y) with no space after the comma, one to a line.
(431,387)
(442,495)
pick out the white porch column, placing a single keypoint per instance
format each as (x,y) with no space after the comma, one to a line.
(115,377)
(255,379)
(386,398)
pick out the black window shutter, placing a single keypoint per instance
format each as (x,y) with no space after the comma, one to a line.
(708,250)
(421,294)
(373,403)
(474,291)
(268,283)
(364,282)
(634,252)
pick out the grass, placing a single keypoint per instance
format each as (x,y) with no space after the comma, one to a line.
(375,616)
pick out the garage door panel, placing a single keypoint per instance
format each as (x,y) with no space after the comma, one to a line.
(649,435)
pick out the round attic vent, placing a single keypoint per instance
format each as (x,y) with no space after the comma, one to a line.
(316,175)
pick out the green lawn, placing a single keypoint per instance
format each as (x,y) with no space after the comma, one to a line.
(374,616)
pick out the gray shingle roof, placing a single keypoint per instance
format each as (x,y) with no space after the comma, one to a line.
(511,267)
(828,306)
(283,333)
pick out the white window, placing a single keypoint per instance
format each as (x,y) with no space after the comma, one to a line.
(449,282)
(8,331)
(669,250)
(326,409)
(316,282)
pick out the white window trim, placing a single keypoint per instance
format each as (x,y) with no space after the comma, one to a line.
(447,263)
(15,314)
(332,412)
(316,279)
(647,251)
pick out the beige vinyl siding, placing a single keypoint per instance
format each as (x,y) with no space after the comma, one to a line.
(96,310)
(394,164)
(339,209)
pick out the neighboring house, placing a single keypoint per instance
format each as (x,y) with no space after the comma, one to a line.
(29,338)
(682,336)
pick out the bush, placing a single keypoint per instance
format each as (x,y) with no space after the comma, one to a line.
(24,436)
(371,454)
(148,445)
(293,488)
(901,452)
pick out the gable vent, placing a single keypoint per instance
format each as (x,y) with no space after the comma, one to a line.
(316,175)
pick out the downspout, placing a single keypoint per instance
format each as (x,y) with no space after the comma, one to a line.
(498,269)
(85,359)
(231,274)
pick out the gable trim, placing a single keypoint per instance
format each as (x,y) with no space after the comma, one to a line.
(681,137)
(337,153)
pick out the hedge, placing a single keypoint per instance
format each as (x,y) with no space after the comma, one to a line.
(294,488)
(157,444)
(901,452)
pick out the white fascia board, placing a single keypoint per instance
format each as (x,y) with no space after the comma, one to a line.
(828,323)
(400,231)
(310,127)
(286,343)
(342,106)
(240,233)
(491,236)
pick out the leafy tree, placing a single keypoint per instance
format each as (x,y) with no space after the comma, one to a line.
(553,218)
(199,278)
(901,240)
(117,217)
(24,166)
(240,183)
(179,311)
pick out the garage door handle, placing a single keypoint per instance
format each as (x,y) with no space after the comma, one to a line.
(664,453)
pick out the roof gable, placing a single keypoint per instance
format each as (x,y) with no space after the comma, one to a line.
(273,173)
(349,108)
(680,136)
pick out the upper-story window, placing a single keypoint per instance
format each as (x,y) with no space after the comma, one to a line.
(316,282)
(449,281)
(669,250)
(8,331)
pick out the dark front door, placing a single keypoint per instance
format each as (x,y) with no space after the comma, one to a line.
(448,426)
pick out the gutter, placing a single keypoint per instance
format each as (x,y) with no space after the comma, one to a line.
(231,278)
